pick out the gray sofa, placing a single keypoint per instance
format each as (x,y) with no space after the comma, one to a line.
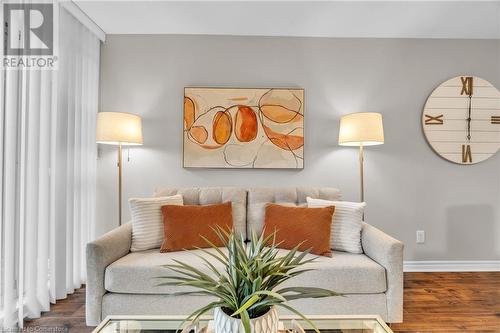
(121,282)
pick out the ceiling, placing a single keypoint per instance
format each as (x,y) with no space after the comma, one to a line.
(370,19)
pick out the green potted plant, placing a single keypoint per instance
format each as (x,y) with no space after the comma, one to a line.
(247,290)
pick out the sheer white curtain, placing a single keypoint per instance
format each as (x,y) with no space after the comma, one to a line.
(48,166)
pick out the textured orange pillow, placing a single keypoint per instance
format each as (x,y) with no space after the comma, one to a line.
(183,228)
(299,224)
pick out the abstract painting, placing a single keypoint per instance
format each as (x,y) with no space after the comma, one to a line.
(243,128)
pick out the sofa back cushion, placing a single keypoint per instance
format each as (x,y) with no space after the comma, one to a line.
(214,195)
(258,197)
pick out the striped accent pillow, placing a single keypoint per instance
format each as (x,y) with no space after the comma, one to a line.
(147,221)
(346,223)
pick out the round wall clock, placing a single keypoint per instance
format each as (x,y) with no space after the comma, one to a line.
(461,120)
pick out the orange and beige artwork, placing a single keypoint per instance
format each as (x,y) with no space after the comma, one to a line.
(244,128)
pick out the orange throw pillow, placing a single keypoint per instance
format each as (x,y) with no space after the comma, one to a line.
(183,228)
(293,225)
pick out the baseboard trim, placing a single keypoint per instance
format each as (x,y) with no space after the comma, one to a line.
(452,266)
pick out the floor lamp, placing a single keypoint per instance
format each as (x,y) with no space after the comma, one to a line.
(361,129)
(119,129)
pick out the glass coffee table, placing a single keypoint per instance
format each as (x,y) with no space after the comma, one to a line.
(326,324)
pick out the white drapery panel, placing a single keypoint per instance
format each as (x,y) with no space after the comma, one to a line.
(48,166)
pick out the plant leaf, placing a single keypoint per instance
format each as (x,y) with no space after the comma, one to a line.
(245,320)
(307,290)
(270,293)
(247,304)
(289,308)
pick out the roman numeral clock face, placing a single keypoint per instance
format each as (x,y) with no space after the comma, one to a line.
(461,120)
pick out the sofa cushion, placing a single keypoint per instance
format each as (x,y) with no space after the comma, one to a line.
(344,272)
(194,226)
(346,224)
(258,197)
(213,195)
(301,227)
(147,221)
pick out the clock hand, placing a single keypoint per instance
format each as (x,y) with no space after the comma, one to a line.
(469,118)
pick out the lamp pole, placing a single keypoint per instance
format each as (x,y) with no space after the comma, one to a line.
(362,171)
(120,183)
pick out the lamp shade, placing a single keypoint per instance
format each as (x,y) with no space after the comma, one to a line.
(119,128)
(363,128)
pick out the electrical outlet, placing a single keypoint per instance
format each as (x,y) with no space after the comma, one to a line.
(420,236)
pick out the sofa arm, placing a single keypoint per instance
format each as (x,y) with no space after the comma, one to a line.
(388,252)
(100,253)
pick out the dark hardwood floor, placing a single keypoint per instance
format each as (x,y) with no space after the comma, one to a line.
(67,313)
(451,302)
(434,302)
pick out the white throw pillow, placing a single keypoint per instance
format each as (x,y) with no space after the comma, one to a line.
(346,223)
(147,220)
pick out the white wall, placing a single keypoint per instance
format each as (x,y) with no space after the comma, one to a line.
(408,187)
